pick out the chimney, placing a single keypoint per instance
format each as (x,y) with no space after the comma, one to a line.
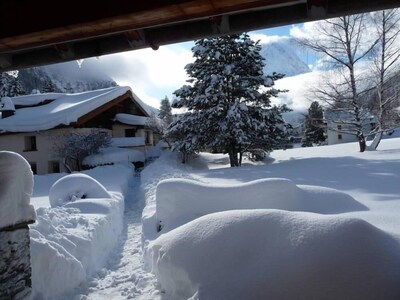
(7,107)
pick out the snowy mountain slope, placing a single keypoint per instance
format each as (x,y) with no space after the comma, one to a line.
(67,77)
(281,57)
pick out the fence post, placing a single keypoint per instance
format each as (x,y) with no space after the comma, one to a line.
(16,212)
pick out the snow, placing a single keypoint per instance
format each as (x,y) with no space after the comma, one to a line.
(271,254)
(112,155)
(64,110)
(224,239)
(16,184)
(306,223)
(280,57)
(74,187)
(35,99)
(131,119)
(179,201)
(71,242)
(156,150)
(128,141)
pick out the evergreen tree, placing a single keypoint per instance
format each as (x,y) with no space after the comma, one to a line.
(314,133)
(6,81)
(226,109)
(16,88)
(48,86)
(165,113)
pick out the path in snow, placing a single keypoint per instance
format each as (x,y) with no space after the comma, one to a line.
(124,276)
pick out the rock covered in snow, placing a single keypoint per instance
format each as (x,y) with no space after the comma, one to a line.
(269,254)
(76,186)
(16,185)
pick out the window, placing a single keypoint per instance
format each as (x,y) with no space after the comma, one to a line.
(54,166)
(131,132)
(147,138)
(33,167)
(339,137)
(339,127)
(30,143)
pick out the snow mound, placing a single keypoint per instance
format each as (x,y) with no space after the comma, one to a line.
(16,186)
(49,256)
(179,201)
(113,155)
(76,186)
(270,254)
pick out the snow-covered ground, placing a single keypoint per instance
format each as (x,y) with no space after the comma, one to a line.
(73,239)
(330,231)
(335,243)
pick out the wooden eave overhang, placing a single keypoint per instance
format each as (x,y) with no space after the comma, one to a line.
(40,32)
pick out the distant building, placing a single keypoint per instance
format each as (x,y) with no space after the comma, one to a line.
(30,129)
(338,127)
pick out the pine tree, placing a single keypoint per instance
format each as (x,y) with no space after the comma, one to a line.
(314,133)
(16,88)
(48,86)
(6,81)
(165,113)
(226,109)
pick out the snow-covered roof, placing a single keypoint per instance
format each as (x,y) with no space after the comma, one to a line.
(128,141)
(131,119)
(63,110)
(35,99)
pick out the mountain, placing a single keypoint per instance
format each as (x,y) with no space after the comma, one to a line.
(281,57)
(66,77)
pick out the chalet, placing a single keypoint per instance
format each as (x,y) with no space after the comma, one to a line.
(30,124)
(340,126)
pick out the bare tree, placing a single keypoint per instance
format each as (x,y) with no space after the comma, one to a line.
(387,24)
(73,147)
(158,125)
(344,43)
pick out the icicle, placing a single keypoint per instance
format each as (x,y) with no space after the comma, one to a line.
(79,62)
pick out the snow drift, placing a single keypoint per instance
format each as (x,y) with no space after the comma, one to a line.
(179,201)
(16,186)
(72,241)
(113,155)
(269,254)
(76,186)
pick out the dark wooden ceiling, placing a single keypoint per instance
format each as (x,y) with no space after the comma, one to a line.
(43,32)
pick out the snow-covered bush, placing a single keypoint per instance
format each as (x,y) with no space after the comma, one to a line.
(113,155)
(74,146)
(270,254)
(179,201)
(76,186)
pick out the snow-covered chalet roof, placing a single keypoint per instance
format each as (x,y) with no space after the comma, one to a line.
(63,110)
(35,99)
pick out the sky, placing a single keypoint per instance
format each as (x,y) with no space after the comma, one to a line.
(156,74)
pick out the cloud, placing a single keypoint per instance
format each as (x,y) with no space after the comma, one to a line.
(298,97)
(304,30)
(152,75)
